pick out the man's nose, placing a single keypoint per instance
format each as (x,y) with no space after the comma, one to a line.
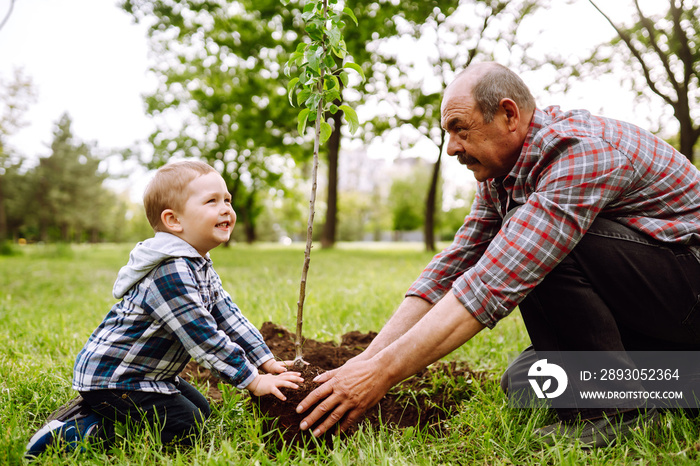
(452,147)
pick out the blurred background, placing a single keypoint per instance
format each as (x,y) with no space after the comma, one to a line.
(94,95)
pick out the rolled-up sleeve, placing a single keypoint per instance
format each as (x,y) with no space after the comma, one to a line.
(469,244)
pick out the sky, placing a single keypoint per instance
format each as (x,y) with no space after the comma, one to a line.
(84,57)
(89,59)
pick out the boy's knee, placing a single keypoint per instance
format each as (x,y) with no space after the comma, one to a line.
(202,414)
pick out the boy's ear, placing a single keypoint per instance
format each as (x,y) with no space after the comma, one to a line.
(170,221)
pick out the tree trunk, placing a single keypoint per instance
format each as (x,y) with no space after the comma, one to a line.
(431,201)
(65,232)
(329,228)
(688,136)
(249,221)
(3,214)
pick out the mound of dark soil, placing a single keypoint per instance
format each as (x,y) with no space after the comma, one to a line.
(423,400)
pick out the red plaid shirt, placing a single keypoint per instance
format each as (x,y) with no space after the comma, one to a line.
(573,167)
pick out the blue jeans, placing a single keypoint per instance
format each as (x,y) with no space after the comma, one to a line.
(618,290)
(177,417)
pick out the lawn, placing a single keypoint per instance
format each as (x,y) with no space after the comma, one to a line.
(52,298)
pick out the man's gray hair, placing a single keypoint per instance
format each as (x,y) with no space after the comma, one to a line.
(500,83)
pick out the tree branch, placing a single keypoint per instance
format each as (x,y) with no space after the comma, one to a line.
(685,54)
(651,30)
(637,54)
(7,16)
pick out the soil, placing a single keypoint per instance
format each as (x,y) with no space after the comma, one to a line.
(424,400)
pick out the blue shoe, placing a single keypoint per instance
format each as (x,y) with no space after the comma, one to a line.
(43,438)
(67,435)
(80,430)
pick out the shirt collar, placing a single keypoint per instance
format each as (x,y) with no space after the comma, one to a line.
(522,166)
(185,249)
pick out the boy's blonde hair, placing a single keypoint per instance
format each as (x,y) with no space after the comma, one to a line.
(168,188)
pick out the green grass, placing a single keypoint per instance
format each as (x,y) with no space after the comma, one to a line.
(52,298)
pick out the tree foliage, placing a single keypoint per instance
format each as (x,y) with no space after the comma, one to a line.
(221,94)
(406,199)
(63,197)
(69,187)
(658,53)
(15,97)
(221,90)
(319,90)
(448,37)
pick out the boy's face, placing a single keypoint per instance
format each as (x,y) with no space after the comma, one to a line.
(207,218)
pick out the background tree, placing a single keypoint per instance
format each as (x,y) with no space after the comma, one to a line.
(15,97)
(218,65)
(450,36)
(660,53)
(68,192)
(406,198)
(315,87)
(219,71)
(379,19)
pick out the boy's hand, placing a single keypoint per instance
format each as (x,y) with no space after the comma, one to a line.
(272,366)
(269,383)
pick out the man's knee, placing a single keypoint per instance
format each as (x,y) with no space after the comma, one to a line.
(514,379)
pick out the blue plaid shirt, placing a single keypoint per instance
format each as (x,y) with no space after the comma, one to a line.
(176,312)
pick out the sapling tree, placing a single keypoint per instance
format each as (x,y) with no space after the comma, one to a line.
(316,88)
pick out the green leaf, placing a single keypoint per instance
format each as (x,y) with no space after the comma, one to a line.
(334,36)
(348,11)
(314,62)
(325,131)
(351,118)
(356,67)
(333,82)
(301,121)
(290,90)
(312,101)
(340,53)
(344,78)
(303,95)
(331,95)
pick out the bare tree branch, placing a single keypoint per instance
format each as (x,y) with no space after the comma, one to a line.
(685,54)
(7,16)
(638,55)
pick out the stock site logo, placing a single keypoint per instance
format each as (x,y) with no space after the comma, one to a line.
(542,370)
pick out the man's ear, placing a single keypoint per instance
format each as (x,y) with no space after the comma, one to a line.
(170,221)
(512,113)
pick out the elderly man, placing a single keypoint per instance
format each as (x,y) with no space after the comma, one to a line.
(590,225)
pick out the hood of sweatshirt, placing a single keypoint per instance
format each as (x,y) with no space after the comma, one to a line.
(146,255)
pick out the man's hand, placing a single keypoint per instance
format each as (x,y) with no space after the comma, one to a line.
(270,383)
(401,349)
(347,393)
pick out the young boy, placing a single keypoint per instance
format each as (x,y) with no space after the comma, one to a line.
(173,308)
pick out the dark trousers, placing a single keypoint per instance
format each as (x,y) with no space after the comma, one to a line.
(618,290)
(177,417)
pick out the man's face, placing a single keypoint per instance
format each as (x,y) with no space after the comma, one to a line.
(487,149)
